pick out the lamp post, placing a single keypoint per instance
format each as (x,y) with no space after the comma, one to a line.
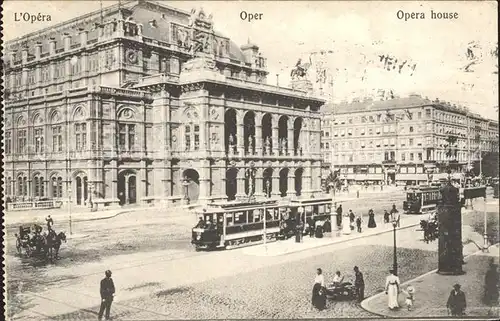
(395,258)
(69,210)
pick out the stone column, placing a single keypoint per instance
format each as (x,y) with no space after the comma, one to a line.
(275,139)
(290,139)
(67,42)
(258,140)
(276,183)
(240,134)
(38,50)
(24,56)
(306,180)
(83,37)
(259,182)
(204,181)
(240,183)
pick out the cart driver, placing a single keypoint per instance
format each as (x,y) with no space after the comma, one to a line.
(337,279)
(201,223)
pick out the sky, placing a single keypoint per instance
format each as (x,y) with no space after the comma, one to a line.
(289,30)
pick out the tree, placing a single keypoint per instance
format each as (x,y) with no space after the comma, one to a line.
(489,165)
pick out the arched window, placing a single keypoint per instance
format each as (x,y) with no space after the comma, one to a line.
(39,186)
(56,185)
(22,185)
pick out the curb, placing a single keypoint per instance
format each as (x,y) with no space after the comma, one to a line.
(373,297)
(339,241)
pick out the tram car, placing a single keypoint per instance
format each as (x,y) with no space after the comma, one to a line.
(422,199)
(234,224)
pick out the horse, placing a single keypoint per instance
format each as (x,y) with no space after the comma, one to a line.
(53,242)
(430,230)
(300,70)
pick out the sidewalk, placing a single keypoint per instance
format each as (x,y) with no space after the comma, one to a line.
(289,246)
(78,214)
(432,290)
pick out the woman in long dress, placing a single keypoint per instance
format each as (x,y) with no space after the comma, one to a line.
(392,284)
(319,292)
(371,219)
(346,224)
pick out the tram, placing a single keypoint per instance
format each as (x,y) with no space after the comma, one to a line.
(421,199)
(234,224)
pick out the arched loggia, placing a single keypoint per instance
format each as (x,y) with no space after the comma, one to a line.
(298,181)
(231,186)
(283,135)
(268,182)
(249,132)
(267,134)
(283,182)
(297,130)
(230,136)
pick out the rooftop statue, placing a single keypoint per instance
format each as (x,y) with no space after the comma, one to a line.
(300,70)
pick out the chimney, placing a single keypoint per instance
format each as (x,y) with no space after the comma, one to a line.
(67,42)
(38,50)
(12,57)
(52,46)
(24,55)
(83,36)
(249,51)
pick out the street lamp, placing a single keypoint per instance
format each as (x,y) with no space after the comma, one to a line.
(69,209)
(395,258)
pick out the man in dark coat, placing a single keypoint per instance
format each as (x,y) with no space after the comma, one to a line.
(50,222)
(359,284)
(339,215)
(107,293)
(456,303)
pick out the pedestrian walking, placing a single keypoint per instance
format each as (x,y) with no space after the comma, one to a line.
(311,226)
(359,284)
(358,223)
(352,219)
(386,216)
(319,293)
(50,222)
(371,219)
(491,285)
(107,294)
(392,284)
(456,303)
(410,296)
(346,224)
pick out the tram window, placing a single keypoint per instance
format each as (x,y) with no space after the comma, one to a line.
(250,216)
(239,218)
(229,219)
(276,213)
(309,209)
(328,209)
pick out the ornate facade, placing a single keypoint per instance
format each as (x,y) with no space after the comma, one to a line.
(144,103)
(404,140)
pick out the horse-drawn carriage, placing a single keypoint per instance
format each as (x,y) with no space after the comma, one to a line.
(430,227)
(33,242)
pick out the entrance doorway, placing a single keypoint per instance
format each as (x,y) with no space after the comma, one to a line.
(127,187)
(192,187)
(391,178)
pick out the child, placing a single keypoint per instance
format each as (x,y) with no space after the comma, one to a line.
(358,223)
(410,296)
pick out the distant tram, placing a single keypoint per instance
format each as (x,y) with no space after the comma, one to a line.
(228,225)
